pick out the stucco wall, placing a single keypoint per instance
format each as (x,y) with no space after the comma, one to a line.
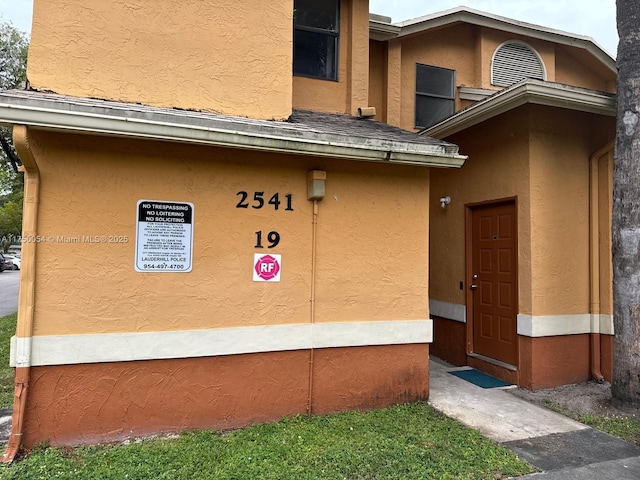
(111,402)
(378,61)
(452,48)
(351,90)
(469,50)
(371,253)
(371,266)
(575,67)
(498,167)
(561,146)
(226,56)
(541,155)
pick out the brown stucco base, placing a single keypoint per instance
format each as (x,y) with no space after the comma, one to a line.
(449,341)
(547,362)
(544,362)
(108,402)
(606,356)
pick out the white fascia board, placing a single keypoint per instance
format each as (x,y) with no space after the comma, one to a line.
(382,31)
(497,22)
(533,92)
(224,134)
(475,94)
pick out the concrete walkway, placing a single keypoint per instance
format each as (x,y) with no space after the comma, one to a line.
(558,446)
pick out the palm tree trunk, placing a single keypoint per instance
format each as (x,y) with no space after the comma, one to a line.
(625,387)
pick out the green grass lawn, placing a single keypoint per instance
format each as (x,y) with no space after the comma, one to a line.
(7,330)
(403,442)
(626,427)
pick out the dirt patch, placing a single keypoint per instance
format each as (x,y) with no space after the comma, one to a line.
(579,398)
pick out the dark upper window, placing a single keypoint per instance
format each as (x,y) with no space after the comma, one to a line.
(435,94)
(315,38)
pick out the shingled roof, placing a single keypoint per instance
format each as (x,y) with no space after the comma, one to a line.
(305,132)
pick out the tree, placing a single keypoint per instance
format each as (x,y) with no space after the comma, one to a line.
(625,386)
(13,72)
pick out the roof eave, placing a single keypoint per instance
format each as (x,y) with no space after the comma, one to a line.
(488,20)
(528,92)
(334,146)
(382,31)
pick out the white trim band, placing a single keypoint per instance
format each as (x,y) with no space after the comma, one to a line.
(22,347)
(450,311)
(606,324)
(123,347)
(554,325)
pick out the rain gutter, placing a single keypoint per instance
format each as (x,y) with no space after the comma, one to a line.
(234,132)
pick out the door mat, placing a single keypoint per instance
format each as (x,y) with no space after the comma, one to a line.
(480,379)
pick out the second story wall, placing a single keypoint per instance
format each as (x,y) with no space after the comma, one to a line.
(492,39)
(574,68)
(224,56)
(454,66)
(349,89)
(453,48)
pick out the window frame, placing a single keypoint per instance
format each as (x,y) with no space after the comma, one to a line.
(434,95)
(321,31)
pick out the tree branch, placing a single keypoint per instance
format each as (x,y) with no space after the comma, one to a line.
(9,152)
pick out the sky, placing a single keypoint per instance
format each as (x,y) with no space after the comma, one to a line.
(593,18)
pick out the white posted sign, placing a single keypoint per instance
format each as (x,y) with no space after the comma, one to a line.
(164,236)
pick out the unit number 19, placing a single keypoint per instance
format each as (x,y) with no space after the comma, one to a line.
(272,237)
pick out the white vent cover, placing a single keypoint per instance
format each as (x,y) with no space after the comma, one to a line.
(513,62)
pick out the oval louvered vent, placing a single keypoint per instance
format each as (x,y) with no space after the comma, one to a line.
(513,62)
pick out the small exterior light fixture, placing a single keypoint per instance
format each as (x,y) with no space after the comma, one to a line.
(444,201)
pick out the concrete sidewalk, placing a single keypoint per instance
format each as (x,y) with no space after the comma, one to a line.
(560,447)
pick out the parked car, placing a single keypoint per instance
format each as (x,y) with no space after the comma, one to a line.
(14,260)
(2,265)
(7,263)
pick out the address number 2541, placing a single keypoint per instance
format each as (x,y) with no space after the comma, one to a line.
(258,201)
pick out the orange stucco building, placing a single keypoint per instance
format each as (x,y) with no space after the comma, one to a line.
(211,240)
(520,264)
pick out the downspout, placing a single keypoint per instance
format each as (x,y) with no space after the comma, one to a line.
(24,330)
(594,260)
(312,301)
(315,192)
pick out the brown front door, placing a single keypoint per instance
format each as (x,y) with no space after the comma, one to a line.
(494,281)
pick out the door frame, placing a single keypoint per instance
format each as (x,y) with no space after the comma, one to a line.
(468,248)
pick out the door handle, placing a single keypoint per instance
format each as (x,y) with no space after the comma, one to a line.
(473,286)
(474,277)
